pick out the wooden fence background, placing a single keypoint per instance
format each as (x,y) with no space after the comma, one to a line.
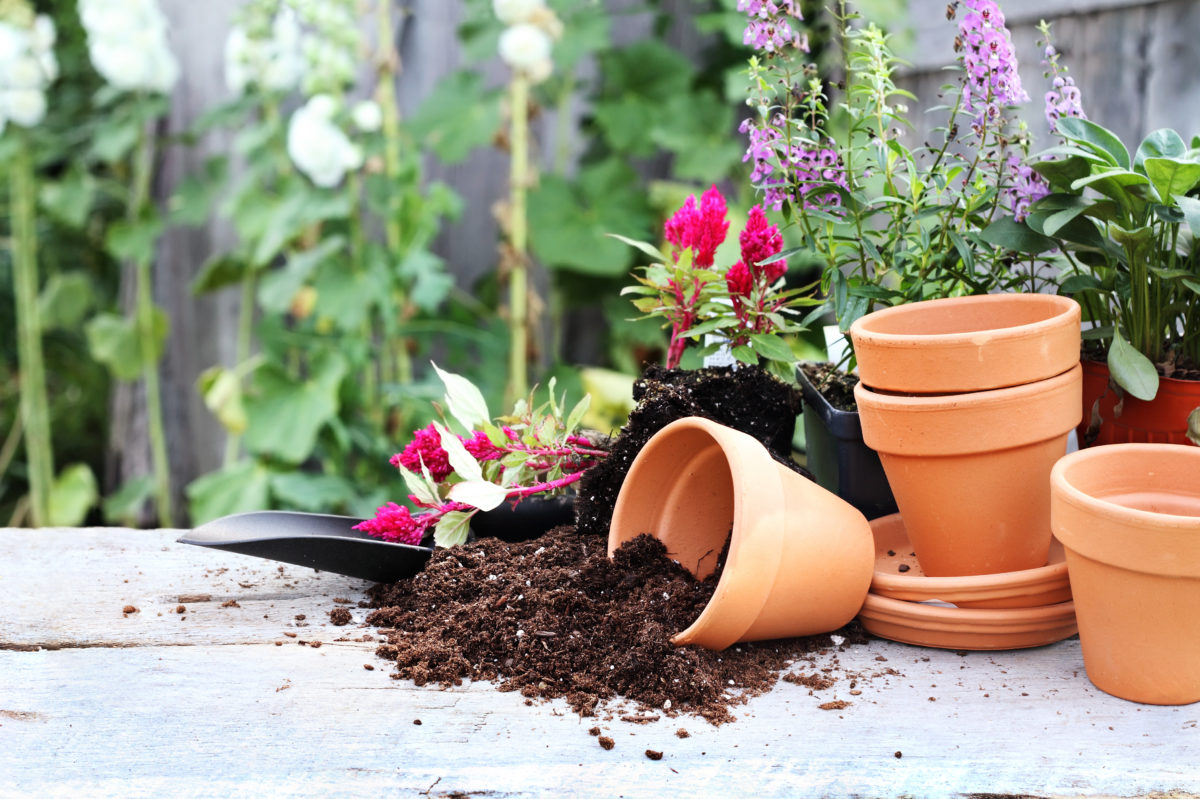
(1135,61)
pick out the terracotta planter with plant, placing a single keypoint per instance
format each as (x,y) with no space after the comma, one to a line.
(959,344)
(1167,419)
(799,558)
(971,471)
(1129,517)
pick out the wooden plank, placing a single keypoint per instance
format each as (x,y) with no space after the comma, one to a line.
(68,588)
(266,720)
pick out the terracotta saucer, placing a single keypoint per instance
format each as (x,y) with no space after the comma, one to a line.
(967,628)
(1045,585)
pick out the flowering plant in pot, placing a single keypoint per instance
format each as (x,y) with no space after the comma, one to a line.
(893,224)
(1125,222)
(534,452)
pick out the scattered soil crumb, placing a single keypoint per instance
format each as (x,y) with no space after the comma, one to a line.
(653,755)
(815,682)
(315,644)
(482,612)
(230,603)
(341,600)
(181,609)
(368,667)
(300,617)
(290,635)
(837,704)
(417,722)
(606,742)
(594,732)
(195,598)
(129,609)
(279,643)
(682,733)
(339,617)
(899,754)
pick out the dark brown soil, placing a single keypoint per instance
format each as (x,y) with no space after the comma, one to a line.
(554,617)
(836,386)
(750,400)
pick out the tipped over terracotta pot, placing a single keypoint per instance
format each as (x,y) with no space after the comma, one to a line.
(1129,518)
(971,472)
(962,344)
(800,558)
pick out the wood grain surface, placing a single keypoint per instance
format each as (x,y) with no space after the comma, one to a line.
(220,701)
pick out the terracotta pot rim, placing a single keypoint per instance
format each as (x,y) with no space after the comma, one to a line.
(948,401)
(1068,492)
(1067,308)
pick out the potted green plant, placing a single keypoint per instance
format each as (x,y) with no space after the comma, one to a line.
(1125,223)
(893,224)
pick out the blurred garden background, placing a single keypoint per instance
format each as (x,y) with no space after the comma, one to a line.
(244,228)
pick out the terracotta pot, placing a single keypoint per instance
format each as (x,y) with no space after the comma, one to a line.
(967,343)
(1162,420)
(800,559)
(837,457)
(1129,517)
(971,471)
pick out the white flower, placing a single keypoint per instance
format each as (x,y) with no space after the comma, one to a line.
(510,12)
(525,47)
(367,116)
(27,67)
(127,42)
(26,107)
(275,63)
(317,146)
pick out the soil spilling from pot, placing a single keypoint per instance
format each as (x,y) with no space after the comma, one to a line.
(555,618)
(748,399)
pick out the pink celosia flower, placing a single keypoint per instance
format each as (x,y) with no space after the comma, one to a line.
(394,523)
(739,281)
(701,228)
(426,446)
(761,240)
(482,448)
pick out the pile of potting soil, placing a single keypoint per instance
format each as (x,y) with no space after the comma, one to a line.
(554,617)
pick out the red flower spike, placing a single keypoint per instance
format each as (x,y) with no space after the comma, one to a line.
(738,280)
(761,240)
(701,228)
(426,446)
(395,524)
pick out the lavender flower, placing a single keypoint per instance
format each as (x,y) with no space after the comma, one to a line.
(769,28)
(1027,186)
(1063,99)
(989,61)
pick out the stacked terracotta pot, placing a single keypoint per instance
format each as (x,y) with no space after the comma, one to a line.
(968,402)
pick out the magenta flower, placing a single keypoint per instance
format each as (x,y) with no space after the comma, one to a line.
(702,228)
(425,447)
(395,524)
(481,447)
(761,240)
(992,82)
(739,281)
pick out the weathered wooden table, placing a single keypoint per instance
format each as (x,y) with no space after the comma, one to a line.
(227,697)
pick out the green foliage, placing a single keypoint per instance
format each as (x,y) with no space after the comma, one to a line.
(1127,229)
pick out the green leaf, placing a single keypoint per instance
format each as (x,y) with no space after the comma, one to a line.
(65,300)
(72,495)
(1090,136)
(70,199)
(244,486)
(285,414)
(1193,285)
(288,218)
(463,463)
(1010,234)
(1132,370)
(478,494)
(431,288)
(114,137)
(453,528)
(645,247)
(1193,431)
(1162,143)
(1061,174)
(134,240)
(744,354)
(221,389)
(459,115)
(123,506)
(197,195)
(1172,176)
(577,413)
(1191,212)
(1077,283)
(218,272)
(771,347)
(113,341)
(316,493)
(464,401)
(421,486)
(279,287)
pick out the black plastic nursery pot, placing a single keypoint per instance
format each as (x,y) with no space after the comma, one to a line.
(837,456)
(530,518)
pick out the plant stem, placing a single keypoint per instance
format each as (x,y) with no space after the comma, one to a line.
(385,94)
(143,169)
(518,278)
(39,452)
(245,330)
